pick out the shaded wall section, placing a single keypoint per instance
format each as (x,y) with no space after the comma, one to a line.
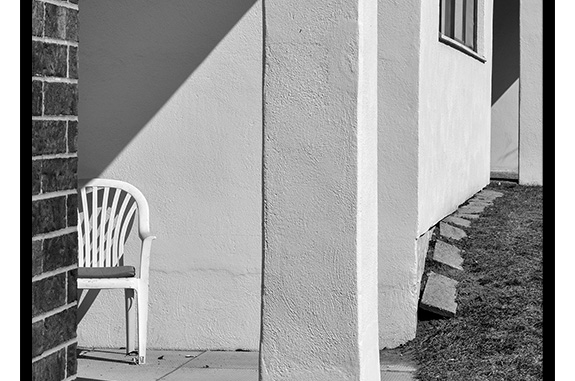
(505,90)
(171,102)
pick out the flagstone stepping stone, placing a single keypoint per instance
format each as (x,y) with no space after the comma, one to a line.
(452,232)
(480,203)
(457,221)
(483,201)
(471,209)
(439,295)
(484,197)
(490,193)
(447,254)
(467,215)
(487,196)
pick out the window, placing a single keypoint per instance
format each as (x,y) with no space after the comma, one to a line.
(458,21)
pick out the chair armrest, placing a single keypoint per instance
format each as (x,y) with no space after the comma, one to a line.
(145,256)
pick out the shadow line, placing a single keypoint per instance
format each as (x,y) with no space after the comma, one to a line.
(127,362)
(172,371)
(131,63)
(506,53)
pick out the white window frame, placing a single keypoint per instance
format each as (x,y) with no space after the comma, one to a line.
(458,36)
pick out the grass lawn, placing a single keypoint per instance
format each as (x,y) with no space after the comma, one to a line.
(497,332)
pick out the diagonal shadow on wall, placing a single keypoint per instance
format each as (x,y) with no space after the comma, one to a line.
(135,55)
(505,88)
(505,47)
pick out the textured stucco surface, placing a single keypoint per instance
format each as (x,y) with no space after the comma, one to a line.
(170,101)
(505,131)
(531,93)
(398,124)
(455,115)
(505,88)
(196,154)
(319,306)
(434,146)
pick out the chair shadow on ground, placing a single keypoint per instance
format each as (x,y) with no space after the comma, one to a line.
(86,355)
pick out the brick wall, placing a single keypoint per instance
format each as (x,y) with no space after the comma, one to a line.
(54,179)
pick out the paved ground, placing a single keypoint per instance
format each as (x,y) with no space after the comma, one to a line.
(114,365)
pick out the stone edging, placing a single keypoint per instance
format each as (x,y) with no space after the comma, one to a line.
(439,289)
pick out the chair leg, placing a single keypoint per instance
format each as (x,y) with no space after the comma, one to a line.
(142,294)
(130,320)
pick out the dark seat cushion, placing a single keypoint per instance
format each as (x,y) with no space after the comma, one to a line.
(107,272)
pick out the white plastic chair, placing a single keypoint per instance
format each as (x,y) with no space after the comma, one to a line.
(106,213)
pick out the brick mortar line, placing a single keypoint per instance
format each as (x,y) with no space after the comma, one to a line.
(45,196)
(43,108)
(55,234)
(68,61)
(53,312)
(66,137)
(71,81)
(57,41)
(62,118)
(66,284)
(61,3)
(57,348)
(49,274)
(43,21)
(56,156)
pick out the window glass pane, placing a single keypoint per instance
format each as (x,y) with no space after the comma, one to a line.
(442,21)
(470,23)
(447,17)
(458,20)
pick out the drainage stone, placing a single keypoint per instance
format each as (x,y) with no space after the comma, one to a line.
(475,202)
(452,232)
(457,221)
(471,209)
(439,295)
(447,254)
(467,215)
(490,193)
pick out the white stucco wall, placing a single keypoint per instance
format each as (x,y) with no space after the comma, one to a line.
(319,306)
(398,120)
(434,146)
(505,133)
(455,113)
(531,93)
(171,102)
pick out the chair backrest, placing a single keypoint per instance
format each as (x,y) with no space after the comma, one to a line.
(106,212)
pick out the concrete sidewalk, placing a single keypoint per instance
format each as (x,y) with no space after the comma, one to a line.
(115,365)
